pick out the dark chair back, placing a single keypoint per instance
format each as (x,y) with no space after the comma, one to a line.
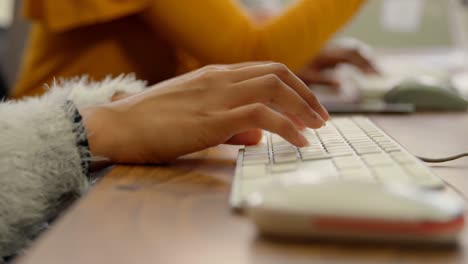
(15,38)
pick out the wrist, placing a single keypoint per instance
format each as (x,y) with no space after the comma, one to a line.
(97,122)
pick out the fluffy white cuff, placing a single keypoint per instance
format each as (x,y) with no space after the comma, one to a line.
(40,162)
(86,93)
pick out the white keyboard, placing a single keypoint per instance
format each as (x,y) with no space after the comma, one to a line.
(348,149)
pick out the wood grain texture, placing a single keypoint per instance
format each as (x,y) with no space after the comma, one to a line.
(179,213)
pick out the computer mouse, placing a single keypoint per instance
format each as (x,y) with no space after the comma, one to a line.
(357,210)
(427,94)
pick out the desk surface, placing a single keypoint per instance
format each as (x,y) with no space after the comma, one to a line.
(180,213)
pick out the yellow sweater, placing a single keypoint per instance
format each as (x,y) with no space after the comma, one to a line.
(109,37)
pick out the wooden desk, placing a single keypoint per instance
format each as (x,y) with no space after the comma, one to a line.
(180,213)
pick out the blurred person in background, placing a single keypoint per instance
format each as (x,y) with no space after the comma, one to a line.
(159,39)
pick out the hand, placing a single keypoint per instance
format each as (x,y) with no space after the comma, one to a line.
(330,58)
(211,106)
(120,96)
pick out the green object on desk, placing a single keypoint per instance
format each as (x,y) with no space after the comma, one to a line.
(427,95)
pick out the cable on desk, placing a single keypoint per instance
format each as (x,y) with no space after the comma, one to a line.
(438,160)
(445,159)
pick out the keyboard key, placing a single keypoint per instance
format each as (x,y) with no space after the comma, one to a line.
(314,156)
(256,160)
(422,176)
(392,149)
(357,175)
(391,174)
(311,148)
(255,148)
(339,144)
(259,146)
(363,144)
(340,153)
(352,162)
(313,153)
(248,186)
(253,171)
(316,170)
(402,157)
(379,138)
(416,170)
(256,153)
(284,151)
(377,159)
(308,132)
(283,167)
(283,146)
(368,150)
(337,147)
(428,181)
(285,157)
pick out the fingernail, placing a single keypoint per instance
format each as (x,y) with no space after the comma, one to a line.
(320,118)
(303,142)
(327,114)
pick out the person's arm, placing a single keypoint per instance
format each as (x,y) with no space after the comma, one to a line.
(219,31)
(44,158)
(43,154)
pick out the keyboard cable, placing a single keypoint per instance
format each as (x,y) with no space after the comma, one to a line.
(444,159)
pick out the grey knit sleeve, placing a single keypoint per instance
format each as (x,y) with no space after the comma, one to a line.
(44,156)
